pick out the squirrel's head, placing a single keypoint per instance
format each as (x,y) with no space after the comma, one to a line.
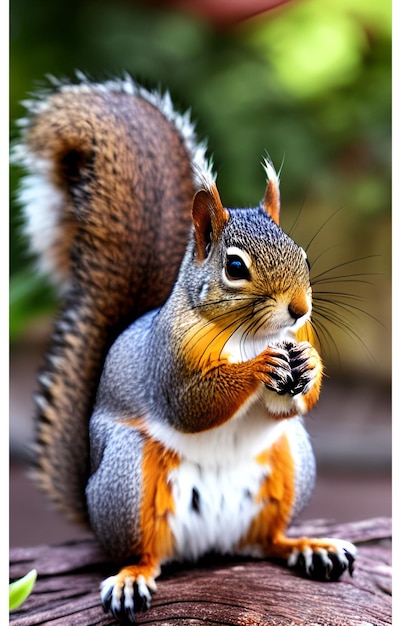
(251,280)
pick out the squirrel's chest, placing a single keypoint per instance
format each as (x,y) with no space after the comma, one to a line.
(213,507)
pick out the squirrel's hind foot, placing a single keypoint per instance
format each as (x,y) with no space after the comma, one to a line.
(324,563)
(127,593)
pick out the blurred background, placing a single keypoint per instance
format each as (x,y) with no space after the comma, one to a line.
(306,81)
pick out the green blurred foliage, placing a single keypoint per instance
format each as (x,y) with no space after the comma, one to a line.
(310,83)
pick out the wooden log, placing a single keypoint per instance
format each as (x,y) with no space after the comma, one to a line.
(216,591)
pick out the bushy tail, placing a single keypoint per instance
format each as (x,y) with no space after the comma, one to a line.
(107,196)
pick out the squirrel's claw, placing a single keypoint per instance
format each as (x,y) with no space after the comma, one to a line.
(325,564)
(123,599)
(303,362)
(279,377)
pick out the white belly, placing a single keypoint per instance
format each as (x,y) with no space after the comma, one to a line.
(213,506)
(217,481)
(216,484)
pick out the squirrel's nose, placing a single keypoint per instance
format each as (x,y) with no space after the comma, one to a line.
(298,306)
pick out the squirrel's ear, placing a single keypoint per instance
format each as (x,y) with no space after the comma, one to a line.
(209,217)
(271,200)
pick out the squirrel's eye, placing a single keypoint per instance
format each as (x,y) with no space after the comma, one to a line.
(236,268)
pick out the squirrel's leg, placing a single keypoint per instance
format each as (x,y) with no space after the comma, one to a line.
(129,502)
(318,558)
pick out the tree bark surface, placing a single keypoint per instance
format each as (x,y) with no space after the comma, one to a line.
(216,591)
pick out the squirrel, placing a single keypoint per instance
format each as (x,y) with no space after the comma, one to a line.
(170,403)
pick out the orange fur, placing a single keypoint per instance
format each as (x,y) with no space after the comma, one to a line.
(276,494)
(314,361)
(271,200)
(157,501)
(299,303)
(306,333)
(147,568)
(228,386)
(234,384)
(205,340)
(157,542)
(207,212)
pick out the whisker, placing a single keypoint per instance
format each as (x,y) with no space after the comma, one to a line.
(319,230)
(346,294)
(302,207)
(350,308)
(324,337)
(251,324)
(256,323)
(247,331)
(226,313)
(348,278)
(204,326)
(247,324)
(345,264)
(321,255)
(298,215)
(338,292)
(222,301)
(234,329)
(228,320)
(335,318)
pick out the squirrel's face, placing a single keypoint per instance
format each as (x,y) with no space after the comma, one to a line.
(257,276)
(246,280)
(250,281)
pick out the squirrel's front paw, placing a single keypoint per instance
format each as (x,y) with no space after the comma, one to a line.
(305,366)
(123,595)
(278,376)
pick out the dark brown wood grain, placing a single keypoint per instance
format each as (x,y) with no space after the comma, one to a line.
(217,591)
